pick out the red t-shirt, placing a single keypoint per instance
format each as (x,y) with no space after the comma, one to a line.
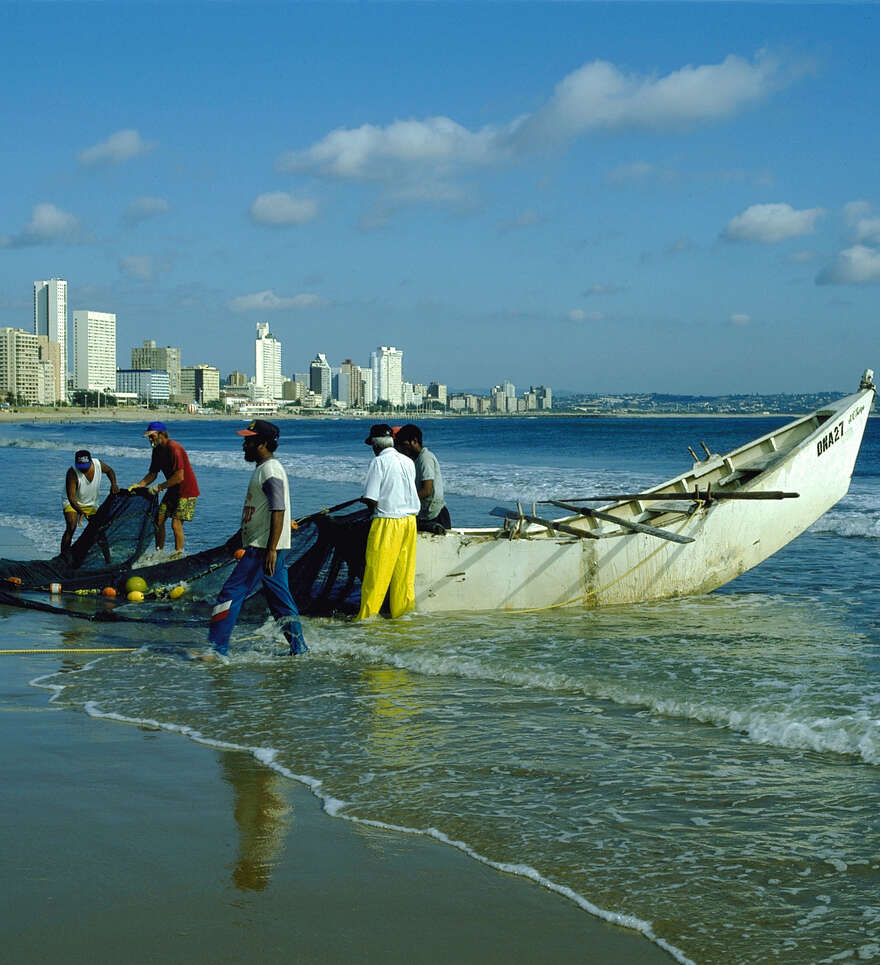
(168,459)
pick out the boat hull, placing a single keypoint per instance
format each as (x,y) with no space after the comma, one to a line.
(534,569)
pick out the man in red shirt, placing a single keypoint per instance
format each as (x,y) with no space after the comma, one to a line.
(180,486)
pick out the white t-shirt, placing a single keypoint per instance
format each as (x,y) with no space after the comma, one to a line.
(391,483)
(87,493)
(268,490)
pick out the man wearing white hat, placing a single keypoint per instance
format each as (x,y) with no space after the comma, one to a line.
(390,491)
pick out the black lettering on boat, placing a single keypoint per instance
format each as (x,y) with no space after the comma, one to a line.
(828,440)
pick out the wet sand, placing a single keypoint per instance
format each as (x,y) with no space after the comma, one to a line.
(126,844)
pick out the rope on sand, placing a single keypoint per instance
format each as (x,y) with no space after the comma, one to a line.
(72,650)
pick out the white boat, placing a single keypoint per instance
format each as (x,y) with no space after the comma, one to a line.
(688,535)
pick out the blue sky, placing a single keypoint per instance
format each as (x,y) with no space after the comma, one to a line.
(597,197)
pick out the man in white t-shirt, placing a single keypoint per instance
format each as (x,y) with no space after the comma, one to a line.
(81,494)
(390,491)
(265,538)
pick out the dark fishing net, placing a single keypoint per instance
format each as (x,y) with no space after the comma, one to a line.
(327,563)
(325,568)
(114,538)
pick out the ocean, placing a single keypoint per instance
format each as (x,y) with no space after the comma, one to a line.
(703,771)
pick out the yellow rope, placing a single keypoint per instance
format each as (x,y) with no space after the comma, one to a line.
(74,650)
(601,589)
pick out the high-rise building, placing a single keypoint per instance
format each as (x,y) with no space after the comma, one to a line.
(367,386)
(167,359)
(94,350)
(200,383)
(437,391)
(321,378)
(50,319)
(149,385)
(544,396)
(509,389)
(236,380)
(22,375)
(267,351)
(387,365)
(350,377)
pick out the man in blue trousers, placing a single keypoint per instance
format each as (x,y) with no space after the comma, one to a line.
(265,538)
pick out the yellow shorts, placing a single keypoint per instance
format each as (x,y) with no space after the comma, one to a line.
(85,510)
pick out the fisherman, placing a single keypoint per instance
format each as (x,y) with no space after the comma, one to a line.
(433,515)
(180,486)
(390,492)
(264,536)
(81,487)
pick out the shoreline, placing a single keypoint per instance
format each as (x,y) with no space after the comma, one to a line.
(235,861)
(61,417)
(140,844)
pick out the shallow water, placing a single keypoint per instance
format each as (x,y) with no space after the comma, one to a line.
(703,769)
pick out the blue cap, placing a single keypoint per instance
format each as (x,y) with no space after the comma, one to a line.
(155,427)
(82,459)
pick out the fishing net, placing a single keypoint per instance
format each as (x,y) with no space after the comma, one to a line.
(326,562)
(325,568)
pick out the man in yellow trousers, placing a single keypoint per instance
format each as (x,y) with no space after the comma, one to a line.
(390,491)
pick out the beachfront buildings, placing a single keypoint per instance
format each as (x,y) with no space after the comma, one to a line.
(167,359)
(350,385)
(50,319)
(267,351)
(387,367)
(94,350)
(148,385)
(200,383)
(321,378)
(27,372)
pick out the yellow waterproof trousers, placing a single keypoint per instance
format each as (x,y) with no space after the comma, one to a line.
(390,561)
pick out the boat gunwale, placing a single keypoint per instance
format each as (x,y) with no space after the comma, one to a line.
(825,414)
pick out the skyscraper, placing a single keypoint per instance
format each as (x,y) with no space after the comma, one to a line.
(50,319)
(387,365)
(167,359)
(267,351)
(321,378)
(94,350)
(350,377)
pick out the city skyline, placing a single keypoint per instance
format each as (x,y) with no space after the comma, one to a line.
(599,197)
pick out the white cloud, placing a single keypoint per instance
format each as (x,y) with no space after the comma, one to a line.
(858,265)
(854,211)
(144,267)
(740,319)
(868,229)
(268,301)
(595,97)
(598,96)
(771,223)
(143,208)
(118,147)
(279,209)
(48,224)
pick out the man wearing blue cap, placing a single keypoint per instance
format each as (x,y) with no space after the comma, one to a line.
(81,491)
(180,487)
(264,537)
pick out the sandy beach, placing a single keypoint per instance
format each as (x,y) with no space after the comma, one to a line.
(129,844)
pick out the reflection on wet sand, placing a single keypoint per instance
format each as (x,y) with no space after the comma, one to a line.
(263,816)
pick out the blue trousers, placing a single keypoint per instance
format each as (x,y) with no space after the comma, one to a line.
(247,576)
